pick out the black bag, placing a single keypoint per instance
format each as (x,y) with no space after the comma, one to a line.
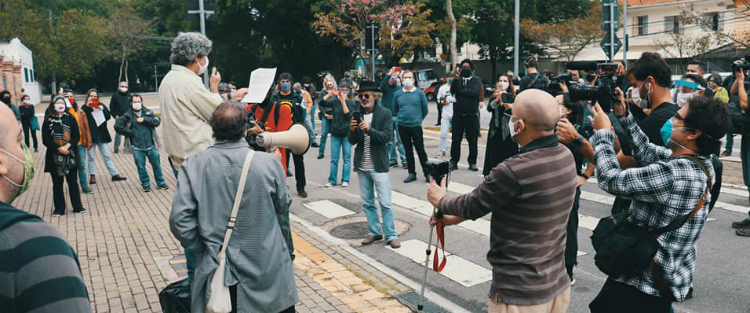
(624,248)
(740,118)
(175,298)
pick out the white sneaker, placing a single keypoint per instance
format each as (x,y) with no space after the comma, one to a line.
(573,282)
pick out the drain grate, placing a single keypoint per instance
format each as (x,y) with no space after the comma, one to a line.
(412,299)
(356,230)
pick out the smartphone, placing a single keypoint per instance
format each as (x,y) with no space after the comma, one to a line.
(356,116)
(340,93)
(506,98)
(397,69)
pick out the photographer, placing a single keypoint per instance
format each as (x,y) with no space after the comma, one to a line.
(370,130)
(672,185)
(537,187)
(340,146)
(743,227)
(327,101)
(499,144)
(533,79)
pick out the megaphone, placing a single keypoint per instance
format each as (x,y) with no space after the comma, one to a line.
(297,138)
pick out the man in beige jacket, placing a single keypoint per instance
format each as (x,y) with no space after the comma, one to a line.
(186,105)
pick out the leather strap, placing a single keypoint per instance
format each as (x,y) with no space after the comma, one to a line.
(236,206)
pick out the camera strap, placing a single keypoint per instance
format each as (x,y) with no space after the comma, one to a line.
(438,265)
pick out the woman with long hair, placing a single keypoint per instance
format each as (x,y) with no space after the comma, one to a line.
(60,135)
(84,143)
(500,145)
(98,114)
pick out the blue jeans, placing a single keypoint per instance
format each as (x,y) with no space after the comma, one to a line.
(730,142)
(81,159)
(396,140)
(106,155)
(324,135)
(140,162)
(312,121)
(368,183)
(445,124)
(337,143)
(189,256)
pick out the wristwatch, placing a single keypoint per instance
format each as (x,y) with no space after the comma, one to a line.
(578,141)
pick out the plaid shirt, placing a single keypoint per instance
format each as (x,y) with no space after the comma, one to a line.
(663,189)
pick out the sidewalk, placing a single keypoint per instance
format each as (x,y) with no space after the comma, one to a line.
(128,255)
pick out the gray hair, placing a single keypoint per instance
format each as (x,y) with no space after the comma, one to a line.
(187,46)
(297,87)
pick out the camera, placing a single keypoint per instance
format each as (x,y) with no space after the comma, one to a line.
(506,98)
(252,139)
(556,80)
(357,116)
(740,64)
(438,170)
(604,90)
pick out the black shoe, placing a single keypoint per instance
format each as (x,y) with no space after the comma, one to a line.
(453,167)
(81,211)
(744,232)
(741,224)
(689,295)
(473,167)
(289,173)
(55,214)
(117,151)
(320,156)
(301,192)
(393,164)
(119,177)
(314,145)
(427,178)
(726,153)
(412,177)
(438,124)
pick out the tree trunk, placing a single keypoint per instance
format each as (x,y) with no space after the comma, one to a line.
(122,64)
(54,85)
(449,10)
(126,73)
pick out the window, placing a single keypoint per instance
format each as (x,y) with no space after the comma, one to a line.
(672,24)
(31,75)
(642,25)
(711,21)
(26,75)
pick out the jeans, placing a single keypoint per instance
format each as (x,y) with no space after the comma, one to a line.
(337,143)
(312,121)
(412,136)
(118,139)
(728,147)
(140,162)
(445,124)
(381,184)
(28,132)
(81,159)
(189,256)
(325,128)
(106,155)
(396,140)
(58,192)
(468,124)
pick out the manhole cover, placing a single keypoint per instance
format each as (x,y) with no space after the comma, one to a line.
(412,299)
(350,231)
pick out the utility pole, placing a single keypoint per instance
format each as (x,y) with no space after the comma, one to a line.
(625,33)
(612,32)
(516,45)
(203,15)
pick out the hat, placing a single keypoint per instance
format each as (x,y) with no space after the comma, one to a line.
(367,85)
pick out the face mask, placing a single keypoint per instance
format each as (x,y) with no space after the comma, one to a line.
(307,85)
(6,100)
(203,68)
(137,106)
(71,100)
(286,86)
(60,107)
(123,89)
(94,102)
(465,72)
(505,85)
(644,100)
(512,128)
(666,132)
(590,78)
(27,101)
(28,169)
(684,97)
(408,83)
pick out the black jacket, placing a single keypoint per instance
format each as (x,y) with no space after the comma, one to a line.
(120,103)
(467,96)
(141,135)
(49,141)
(98,134)
(380,133)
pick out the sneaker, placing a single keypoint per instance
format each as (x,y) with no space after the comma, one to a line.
(119,177)
(301,192)
(744,232)
(329,185)
(320,156)
(165,187)
(726,153)
(345,184)
(146,189)
(573,282)
(412,177)
(741,224)
(370,239)
(57,214)
(87,190)
(314,145)
(394,243)
(81,211)
(92,179)
(473,167)
(393,164)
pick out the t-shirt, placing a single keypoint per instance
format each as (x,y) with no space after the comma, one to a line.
(366,165)
(652,124)
(445,93)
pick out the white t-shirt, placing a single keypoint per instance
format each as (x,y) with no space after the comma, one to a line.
(445,93)
(367,165)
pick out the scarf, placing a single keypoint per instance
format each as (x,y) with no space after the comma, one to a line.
(61,136)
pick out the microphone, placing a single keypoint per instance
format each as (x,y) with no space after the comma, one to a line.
(582,65)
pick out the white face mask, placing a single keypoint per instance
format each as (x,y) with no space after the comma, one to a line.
(512,128)
(203,68)
(59,107)
(408,83)
(505,85)
(27,101)
(137,106)
(123,89)
(684,97)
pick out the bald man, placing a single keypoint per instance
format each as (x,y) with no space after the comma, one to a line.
(530,196)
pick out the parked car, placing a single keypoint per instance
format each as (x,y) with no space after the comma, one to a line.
(425,78)
(431,92)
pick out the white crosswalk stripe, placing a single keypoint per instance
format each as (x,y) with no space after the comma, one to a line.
(458,269)
(328,209)
(479,226)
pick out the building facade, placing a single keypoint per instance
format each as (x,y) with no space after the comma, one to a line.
(17,71)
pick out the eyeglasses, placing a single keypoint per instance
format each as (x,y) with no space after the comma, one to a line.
(678,117)
(513,116)
(365,96)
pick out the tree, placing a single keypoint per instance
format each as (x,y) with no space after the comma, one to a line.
(682,46)
(452,19)
(494,40)
(740,37)
(125,32)
(566,37)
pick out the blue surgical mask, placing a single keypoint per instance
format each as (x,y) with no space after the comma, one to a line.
(666,132)
(286,86)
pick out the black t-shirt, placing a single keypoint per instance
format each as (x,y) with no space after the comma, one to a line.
(534,81)
(652,124)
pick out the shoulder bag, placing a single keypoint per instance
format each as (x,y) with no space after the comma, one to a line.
(219,300)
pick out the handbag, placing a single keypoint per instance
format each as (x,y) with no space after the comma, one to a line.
(175,298)
(625,248)
(219,300)
(35,123)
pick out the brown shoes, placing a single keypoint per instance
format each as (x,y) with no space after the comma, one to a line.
(394,243)
(370,239)
(118,177)
(92,179)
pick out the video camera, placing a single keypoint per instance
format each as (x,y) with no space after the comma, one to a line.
(740,64)
(604,90)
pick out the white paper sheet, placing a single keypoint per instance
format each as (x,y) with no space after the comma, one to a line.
(98,115)
(260,81)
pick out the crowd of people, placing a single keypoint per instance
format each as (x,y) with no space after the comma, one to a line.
(655,149)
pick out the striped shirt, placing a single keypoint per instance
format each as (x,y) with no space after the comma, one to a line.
(366,165)
(39,271)
(530,196)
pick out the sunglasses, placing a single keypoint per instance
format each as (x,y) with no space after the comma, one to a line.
(366,96)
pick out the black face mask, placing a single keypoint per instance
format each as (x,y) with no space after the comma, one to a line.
(6,100)
(465,72)
(590,78)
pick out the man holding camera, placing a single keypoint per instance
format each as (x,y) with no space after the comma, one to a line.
(739,86)
(370,130)
(672,187)
(530,196)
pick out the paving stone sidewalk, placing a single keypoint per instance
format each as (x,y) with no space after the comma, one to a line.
(123,243)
